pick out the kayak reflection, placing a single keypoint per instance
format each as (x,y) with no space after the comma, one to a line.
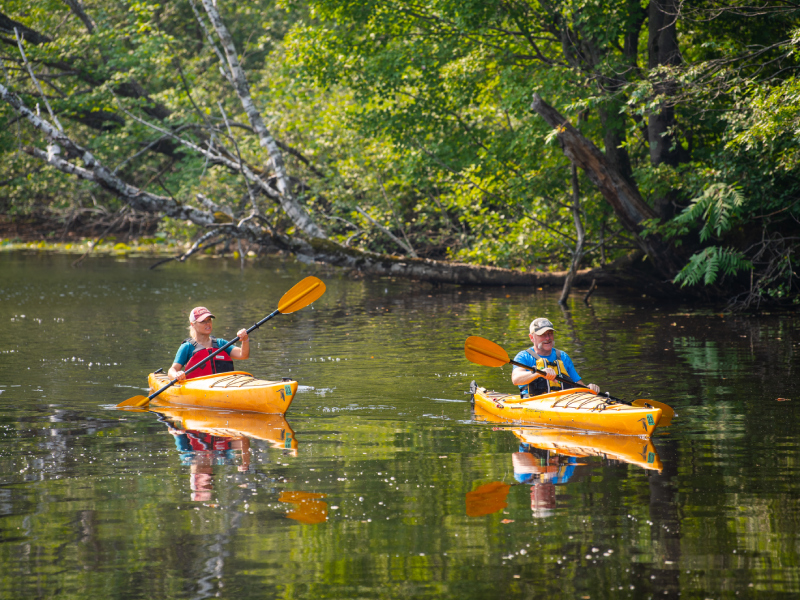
(550,457)
(230,424)
(207,438)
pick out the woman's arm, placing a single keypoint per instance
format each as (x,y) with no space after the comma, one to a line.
(243,352)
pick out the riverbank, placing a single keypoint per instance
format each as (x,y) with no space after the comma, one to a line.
(104,235)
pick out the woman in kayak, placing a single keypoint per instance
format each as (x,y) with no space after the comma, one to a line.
(543,356)
(201,344)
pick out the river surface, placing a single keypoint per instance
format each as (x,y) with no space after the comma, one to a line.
(381,482)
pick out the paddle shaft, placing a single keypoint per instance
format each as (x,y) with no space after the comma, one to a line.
(213,354)
(535,370)
(567,380)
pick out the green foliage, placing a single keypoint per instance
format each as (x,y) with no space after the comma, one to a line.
(418,114)
(705,266)
(717,209)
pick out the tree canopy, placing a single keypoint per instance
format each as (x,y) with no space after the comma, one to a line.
(526,135)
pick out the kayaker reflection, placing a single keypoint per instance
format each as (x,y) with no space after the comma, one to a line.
(201,343)
(543,471)
(203,451)
(544,356)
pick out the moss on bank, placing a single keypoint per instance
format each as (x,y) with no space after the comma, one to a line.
(147,247)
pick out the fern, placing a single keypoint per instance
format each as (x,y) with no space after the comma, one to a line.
(716,208)
(707,264)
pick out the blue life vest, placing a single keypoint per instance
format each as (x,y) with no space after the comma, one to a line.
(540,385)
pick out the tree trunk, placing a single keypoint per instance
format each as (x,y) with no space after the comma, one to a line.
(614,138)
(621,194)
(421,269)
(663,51)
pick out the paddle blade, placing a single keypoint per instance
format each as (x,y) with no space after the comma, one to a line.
(483,352)
(666,410)
(301,295)
(487,499)
(135,402)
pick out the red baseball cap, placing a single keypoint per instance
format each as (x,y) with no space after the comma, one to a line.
(199,313)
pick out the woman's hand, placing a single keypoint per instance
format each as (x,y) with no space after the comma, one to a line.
(177,374)
(242,335)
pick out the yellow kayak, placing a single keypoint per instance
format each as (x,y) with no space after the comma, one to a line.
(236,390)
(577,408)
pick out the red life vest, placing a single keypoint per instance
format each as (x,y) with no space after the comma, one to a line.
(221,363)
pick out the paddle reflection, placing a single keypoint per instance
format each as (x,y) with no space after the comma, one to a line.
(308,507)
(208,438)
(550,457)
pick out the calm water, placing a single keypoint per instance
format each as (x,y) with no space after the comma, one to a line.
(381,482)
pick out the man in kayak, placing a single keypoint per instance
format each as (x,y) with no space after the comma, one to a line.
(201,344)
(543,356)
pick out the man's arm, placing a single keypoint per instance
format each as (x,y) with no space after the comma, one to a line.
(520,376)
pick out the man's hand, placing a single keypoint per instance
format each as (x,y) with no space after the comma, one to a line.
(549,374)
(594,387)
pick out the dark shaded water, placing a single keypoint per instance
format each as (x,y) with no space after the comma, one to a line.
(381,482)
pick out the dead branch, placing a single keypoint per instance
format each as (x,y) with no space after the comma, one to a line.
(275,163)
(196,247)
(394,238)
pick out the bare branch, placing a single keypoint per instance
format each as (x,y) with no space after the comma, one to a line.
(77,7)
(285,195)
(196,247)
(35,81)
(395,239)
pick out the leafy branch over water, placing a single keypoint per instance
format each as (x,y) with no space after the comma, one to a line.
(348,131)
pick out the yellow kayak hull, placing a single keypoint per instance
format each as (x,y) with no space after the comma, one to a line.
(577,408)
(273,429)
(234,391)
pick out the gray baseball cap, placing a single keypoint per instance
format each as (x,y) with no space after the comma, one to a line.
(540,325)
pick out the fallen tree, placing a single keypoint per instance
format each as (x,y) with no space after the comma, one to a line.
(272,180)
(256,230)
(310,244)
(619,192)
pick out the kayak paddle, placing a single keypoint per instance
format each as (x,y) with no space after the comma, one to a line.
(484,352)
(301,295)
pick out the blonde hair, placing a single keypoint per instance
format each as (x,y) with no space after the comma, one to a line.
(192,332)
